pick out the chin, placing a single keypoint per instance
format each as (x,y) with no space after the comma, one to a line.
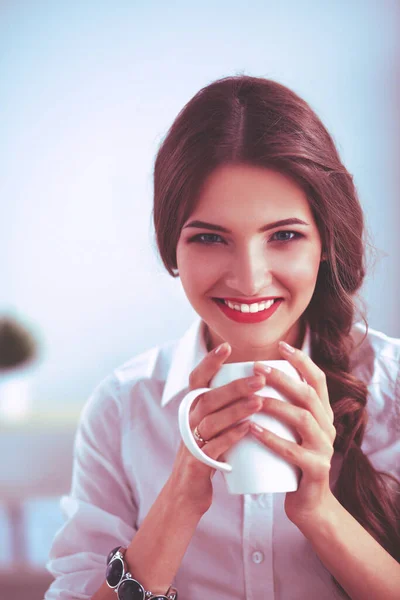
(255,336)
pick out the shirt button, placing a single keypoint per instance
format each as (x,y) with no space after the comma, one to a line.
(257,557)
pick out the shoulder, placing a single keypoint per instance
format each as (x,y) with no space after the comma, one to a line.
(372,345)
(150,364)
(148,369)
(375,356)
(376,361)
(372,338)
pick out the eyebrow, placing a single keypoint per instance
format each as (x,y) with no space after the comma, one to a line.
(213,227)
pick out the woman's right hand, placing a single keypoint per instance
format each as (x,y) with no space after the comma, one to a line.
(216,414)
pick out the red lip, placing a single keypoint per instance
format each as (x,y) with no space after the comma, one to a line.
(240,317)
(252,301)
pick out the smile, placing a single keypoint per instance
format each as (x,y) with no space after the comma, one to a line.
(248,313)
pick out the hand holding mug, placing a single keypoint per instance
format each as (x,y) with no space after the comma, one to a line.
(311,414)
(250,467)
(220,416)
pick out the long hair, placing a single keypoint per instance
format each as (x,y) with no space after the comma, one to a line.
(256,121)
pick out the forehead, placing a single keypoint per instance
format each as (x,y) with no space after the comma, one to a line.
(243,192)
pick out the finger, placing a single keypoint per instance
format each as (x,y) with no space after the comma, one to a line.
(314,465)
(300,394)
(215,423)
(312,435)
(223,442)
(223,396)
(208,367)
(313,375)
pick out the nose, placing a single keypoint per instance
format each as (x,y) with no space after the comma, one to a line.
(249,272)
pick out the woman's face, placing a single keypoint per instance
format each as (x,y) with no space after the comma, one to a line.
(232,249)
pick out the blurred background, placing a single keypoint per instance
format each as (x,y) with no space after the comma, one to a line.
(88,90)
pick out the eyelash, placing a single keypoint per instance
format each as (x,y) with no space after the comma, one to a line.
(198,238)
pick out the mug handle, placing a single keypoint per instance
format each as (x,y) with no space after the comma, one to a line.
(187,435)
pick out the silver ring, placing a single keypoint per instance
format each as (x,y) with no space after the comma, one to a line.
(198,437)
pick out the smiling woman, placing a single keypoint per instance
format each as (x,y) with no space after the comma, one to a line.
(251,205)
(255,212)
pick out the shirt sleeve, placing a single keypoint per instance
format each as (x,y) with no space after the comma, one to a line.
(100,512)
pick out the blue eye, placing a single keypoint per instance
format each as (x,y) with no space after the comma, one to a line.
(211,239)
(205,238)
(285,236)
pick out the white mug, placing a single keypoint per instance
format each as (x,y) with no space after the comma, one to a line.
(251,467)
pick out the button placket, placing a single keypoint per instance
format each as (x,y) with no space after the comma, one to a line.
(257,546)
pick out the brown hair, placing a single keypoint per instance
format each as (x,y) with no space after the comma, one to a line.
(256,121)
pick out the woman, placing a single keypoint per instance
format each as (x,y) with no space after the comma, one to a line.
(256,213)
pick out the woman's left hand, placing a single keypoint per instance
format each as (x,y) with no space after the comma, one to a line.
(311,415)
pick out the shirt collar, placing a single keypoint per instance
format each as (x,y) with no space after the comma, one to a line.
(190,351)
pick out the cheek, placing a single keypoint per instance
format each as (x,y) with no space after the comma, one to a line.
(196,272)
(300,271)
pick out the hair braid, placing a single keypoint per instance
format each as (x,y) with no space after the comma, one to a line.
(361,489)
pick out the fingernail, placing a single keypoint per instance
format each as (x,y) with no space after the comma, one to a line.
(221,349)
(286,348)
(265,369)
(256,381)
(256,427)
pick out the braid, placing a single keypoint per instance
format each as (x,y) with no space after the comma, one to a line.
(361,489)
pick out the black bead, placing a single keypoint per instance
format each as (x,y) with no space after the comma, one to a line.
(114,572)
(111,554)
(130,589)
(159,598)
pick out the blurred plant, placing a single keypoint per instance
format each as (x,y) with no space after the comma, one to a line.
(17,345)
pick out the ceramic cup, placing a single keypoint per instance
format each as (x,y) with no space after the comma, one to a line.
(250,467)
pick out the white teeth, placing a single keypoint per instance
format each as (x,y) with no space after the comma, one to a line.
(250,308)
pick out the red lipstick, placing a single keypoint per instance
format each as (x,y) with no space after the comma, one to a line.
(241,317)
(252,301)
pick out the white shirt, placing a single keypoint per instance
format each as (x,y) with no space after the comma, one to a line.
(244,547)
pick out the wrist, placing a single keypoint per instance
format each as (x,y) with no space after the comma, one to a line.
(322,521)
(157,549)
(120,579)
(192,505)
